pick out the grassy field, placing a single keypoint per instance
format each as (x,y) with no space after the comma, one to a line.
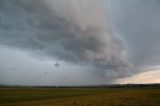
(79,97)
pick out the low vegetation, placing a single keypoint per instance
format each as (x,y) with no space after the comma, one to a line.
(79,97)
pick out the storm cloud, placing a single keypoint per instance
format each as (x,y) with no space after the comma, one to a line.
(75,32)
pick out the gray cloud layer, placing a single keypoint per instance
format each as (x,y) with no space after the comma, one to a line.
(138,22)
(73,31)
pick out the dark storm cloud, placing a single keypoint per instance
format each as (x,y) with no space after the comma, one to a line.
(138,22)
(73,31)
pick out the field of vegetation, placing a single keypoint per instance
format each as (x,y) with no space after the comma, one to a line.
(79,97)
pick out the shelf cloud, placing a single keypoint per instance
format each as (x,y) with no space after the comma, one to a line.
(103,39)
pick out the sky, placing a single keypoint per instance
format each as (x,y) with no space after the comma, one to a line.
(79,42)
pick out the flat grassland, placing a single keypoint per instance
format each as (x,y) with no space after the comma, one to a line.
(79,97)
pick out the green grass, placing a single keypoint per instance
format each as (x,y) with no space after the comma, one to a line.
(79,97)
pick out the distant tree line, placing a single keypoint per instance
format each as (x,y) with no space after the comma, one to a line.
(88,86)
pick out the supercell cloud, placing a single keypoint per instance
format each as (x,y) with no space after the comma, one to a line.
(74,37)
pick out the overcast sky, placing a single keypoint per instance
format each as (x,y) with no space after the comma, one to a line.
(79,42)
